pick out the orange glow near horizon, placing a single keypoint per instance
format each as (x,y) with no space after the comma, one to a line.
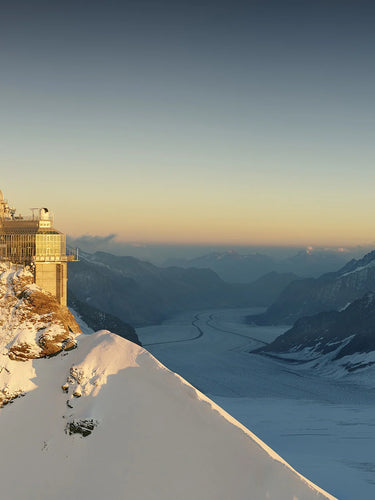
(184,136)
(208,230)
(288,213)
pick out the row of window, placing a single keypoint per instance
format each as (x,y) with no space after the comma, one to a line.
(21,247)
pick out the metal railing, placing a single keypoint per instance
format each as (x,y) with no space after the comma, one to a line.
(70,256)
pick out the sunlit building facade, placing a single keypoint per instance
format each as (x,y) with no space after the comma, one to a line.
(33,241)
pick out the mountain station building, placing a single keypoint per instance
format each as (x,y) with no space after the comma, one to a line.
(33,241)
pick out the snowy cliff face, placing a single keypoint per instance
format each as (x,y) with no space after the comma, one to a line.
(335,342)
(32,325)
(107,420)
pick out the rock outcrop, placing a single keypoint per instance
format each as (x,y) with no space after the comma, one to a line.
(32,325)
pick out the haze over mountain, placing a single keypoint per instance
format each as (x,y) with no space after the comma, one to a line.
(331,291)
(235,267)
(141,293)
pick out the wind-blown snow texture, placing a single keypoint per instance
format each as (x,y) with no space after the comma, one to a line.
(149,434)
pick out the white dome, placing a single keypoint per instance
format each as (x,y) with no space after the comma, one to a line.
(44,214)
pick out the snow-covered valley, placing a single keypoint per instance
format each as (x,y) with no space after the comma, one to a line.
(93,416)
(323,427)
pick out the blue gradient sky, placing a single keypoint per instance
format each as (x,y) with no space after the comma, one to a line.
(192,122)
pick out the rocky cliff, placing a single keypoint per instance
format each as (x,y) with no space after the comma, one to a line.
(32,325)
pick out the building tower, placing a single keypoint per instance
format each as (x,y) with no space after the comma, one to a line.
(33,241)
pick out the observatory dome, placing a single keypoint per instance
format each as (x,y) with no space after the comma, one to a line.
(44,214)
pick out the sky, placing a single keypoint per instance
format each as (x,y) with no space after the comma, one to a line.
(191,122)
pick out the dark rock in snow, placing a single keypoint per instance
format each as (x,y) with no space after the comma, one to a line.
(83,427)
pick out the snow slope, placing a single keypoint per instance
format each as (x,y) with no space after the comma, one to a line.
(155,436)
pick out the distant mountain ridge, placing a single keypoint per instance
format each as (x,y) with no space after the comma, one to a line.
(230,265)
(331,291)
(237,268)
(139,293)
(344,339)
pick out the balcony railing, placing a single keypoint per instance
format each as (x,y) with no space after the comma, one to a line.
(70,256)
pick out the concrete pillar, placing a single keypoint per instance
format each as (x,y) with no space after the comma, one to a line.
(52,277)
